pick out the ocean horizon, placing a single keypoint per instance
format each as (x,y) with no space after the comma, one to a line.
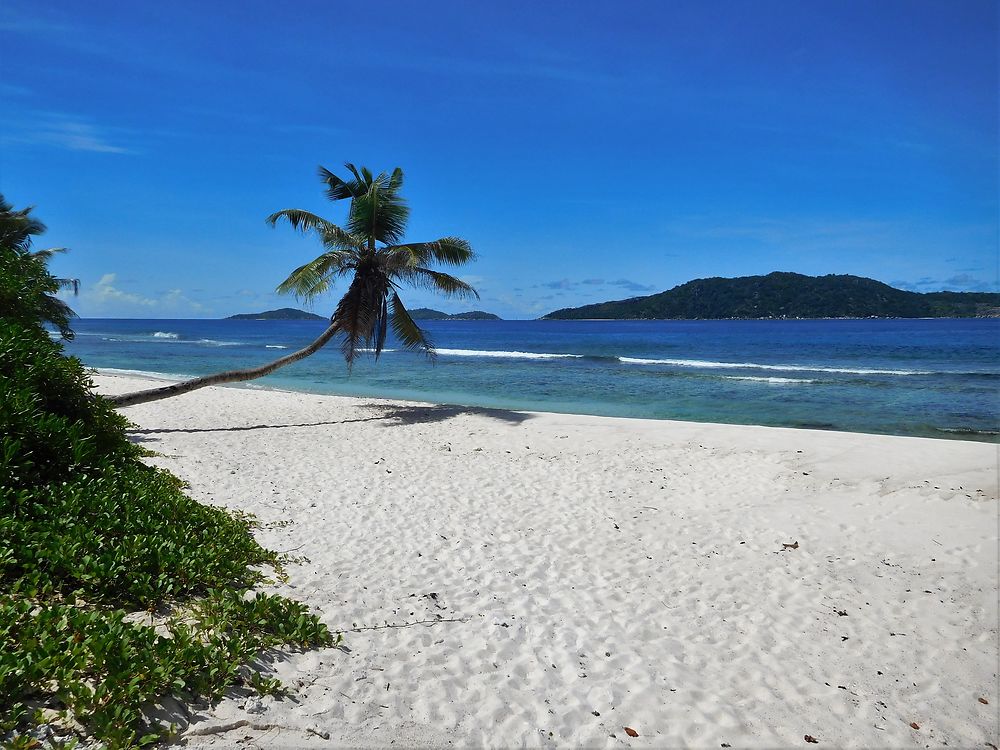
(924,377)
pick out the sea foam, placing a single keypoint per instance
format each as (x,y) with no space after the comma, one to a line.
(142,373)
(213,342)
(506,355)
(708,365)
(771,380)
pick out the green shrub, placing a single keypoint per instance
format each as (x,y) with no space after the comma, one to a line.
(89,533)
(52,424)
(104,669)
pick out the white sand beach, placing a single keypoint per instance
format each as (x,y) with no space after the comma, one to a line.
(508,579)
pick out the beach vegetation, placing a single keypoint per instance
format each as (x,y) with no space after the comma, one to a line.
(118,592)
(369,255)
(27,289)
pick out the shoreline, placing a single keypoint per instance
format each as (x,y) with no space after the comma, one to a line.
(983,437)
(541,579)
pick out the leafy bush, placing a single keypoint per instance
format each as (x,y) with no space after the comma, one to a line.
(89,533)
(104,669)
(80,515)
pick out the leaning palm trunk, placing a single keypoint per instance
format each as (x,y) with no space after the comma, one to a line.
(230,376)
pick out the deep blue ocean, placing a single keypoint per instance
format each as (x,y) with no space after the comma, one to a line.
(938,378)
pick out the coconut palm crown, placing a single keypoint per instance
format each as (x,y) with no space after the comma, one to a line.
(27,289)
(369,249)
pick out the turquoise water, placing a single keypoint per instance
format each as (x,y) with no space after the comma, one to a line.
(935,378)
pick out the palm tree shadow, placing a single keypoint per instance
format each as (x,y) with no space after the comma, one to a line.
(137,434)
(394,414)
(391,414)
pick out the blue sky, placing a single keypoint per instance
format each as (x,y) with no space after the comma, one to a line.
(589,151)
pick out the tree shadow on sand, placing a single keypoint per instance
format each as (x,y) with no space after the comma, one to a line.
(391,414)
(426,413)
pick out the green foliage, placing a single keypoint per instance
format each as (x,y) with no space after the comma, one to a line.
(105,669)
(27,289)
(52,424)
(112,530)
(963,304)
(786,295)
(88,534)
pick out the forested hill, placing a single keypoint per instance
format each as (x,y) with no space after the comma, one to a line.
(789,295)
(425,313)
(285,313)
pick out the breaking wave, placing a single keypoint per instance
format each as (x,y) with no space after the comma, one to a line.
(506,355)
(773,381)
(694,363)
(708,364)
(213,342)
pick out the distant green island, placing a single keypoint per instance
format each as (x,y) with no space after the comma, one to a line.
(420,313)
(425,313)
(789,295)
(285,313)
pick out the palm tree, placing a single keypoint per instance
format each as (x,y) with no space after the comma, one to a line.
(369,250)
(28,295)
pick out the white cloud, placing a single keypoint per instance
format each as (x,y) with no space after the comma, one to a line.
(175,299)
(77,136)
(105,292)
(61,130)
(106,298)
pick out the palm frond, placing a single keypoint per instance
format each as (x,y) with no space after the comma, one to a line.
(354,318)
(380,213)
(46,255)
(361,185)
(453,251)
(410,335)
(437,281)
(317,276)
(57,312)
(336,188)
(299,219)
(306,221)
(334,237)
(17,227)
(361,313)
(396,180)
